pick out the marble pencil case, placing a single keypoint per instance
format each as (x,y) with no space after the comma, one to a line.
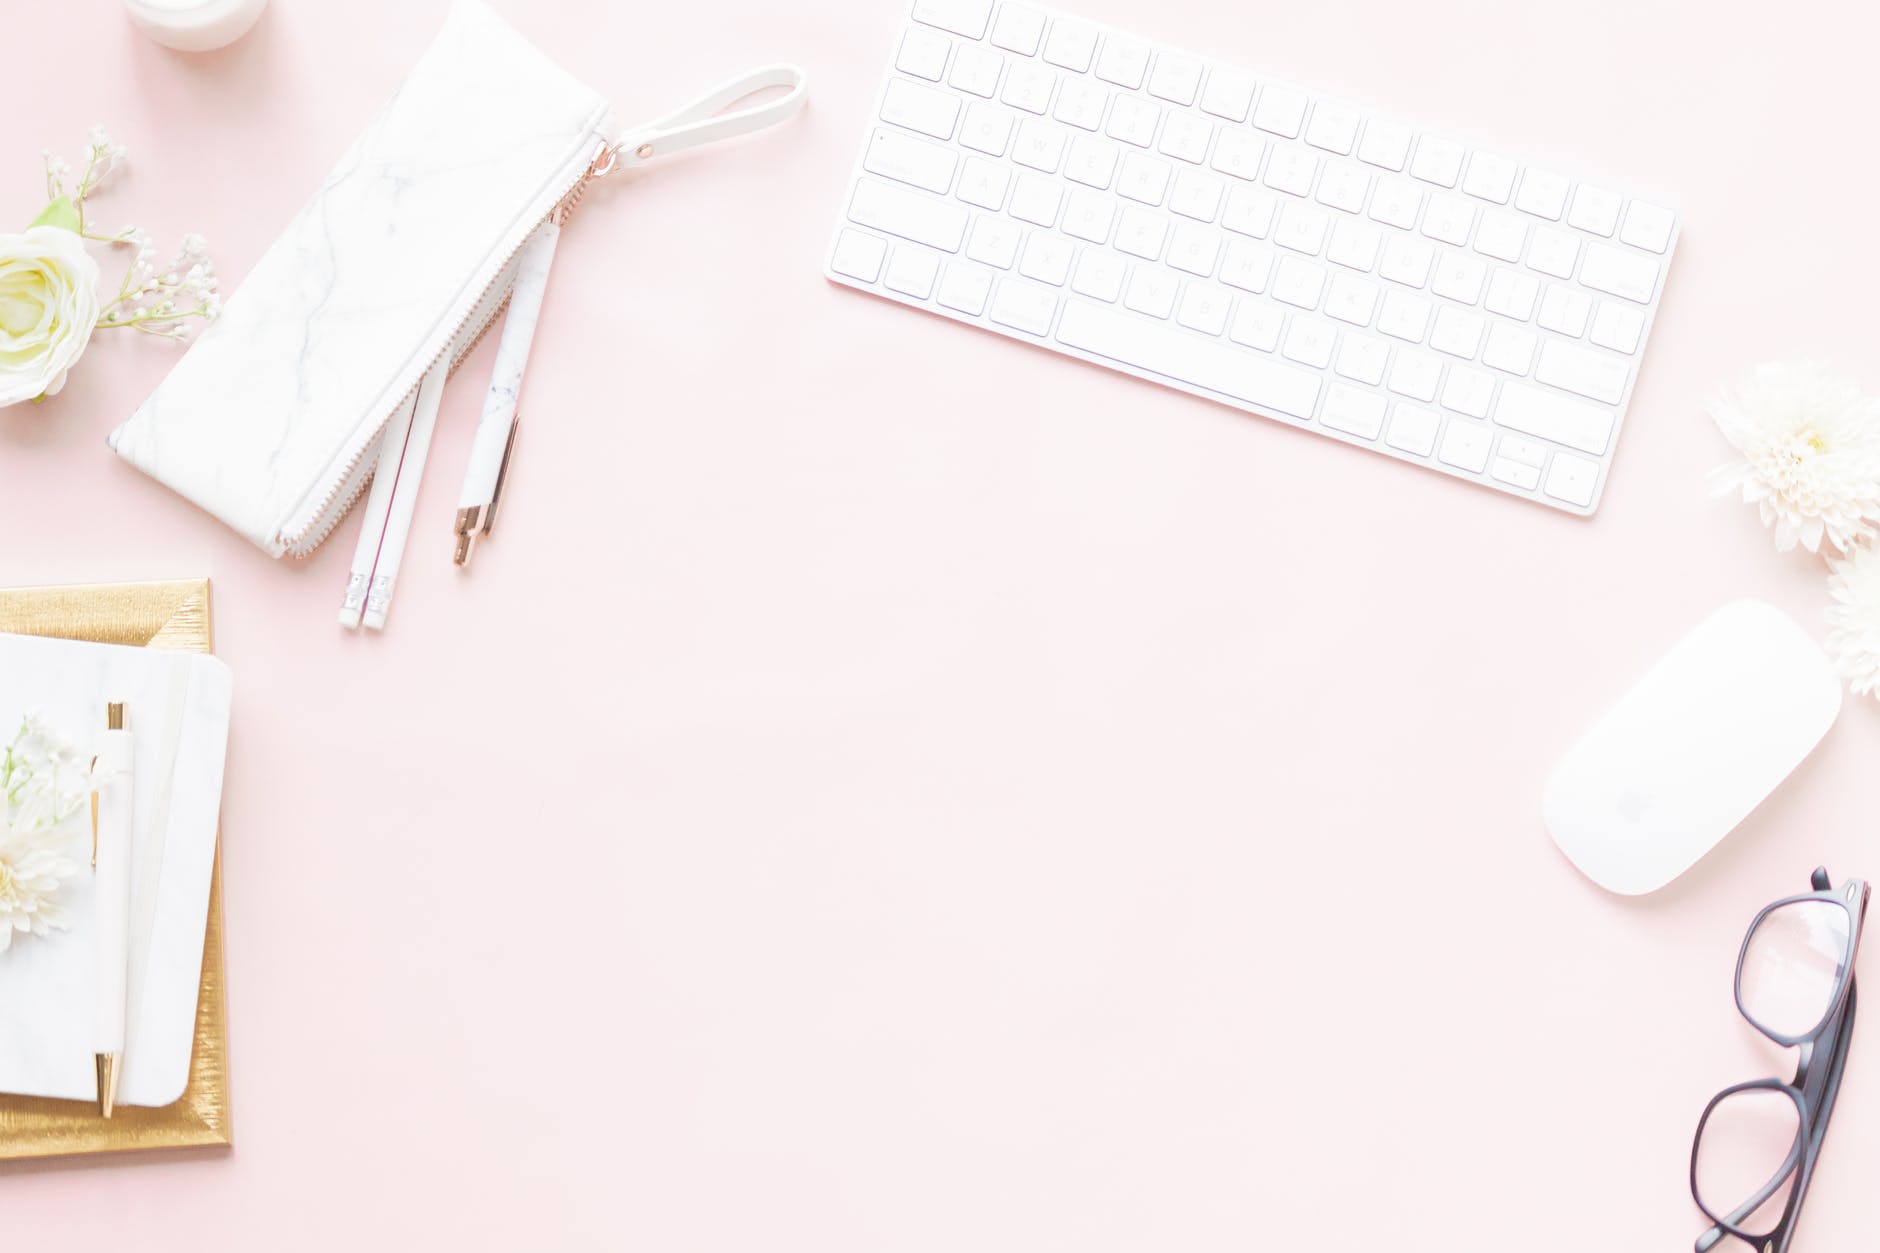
(273,419)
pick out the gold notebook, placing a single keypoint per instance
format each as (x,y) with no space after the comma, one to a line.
(153,615)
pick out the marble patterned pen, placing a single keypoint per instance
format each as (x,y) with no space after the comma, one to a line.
(496,430)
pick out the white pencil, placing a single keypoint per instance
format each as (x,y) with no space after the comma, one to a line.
(404,497)
(378,505)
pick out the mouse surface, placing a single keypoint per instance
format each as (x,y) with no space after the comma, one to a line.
(1691,749)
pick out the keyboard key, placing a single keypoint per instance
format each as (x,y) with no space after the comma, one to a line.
(1227,95)
(1459,277)
(905,159)
(1023,306)
(1091,162)
(1509,348)
(907,214)
(1416,374)
(1204,308)
(1490,177)
(1543,194)
(1449,219)
(1524,451)
(1250,211)
(1565,310)
(1355,243)
(1196,195)
(1309,341)
(1457,333)
(1019,29)
(962,17)
(1100,274)
(976,69)
(1247,265)
(1619,273)
(1132,120)
(1352,411)
(1040,144)
(1501,235)
(1437,160)
(1175,77)
(1046,258)
(1554,417)
(1291,170)
(1351,299)
(1334,127)
(1238,153)
(1089,216)
(1071,44)
(1647,226)
(1194,249)
(983,183)
(1144,178)
(1617,327)
(995,241)
(1185,137)
(1257,325)
(1508,470)
(1362,358)
(1344,186)
(1080,103)
(1595,375)
(965,287)
(918,108)
(1407,260)
(923,53)
(1412,429)
(1142,233)
(1553,252)
(1302,227)
(1385,144)
(912,270)
(1028,86)
(1572,479)
(1397,202)
(1281,110)
(1465,445)
(1036,199)
(1257,381)
(1404,317)
(1123,61)
(1468,391)
(1594,210)
(858,255)
(1299,283)
(987,129)
(1512,294)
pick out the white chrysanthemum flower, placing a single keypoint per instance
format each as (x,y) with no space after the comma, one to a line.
(43,784)
(33,866)
(1854,618)
(1811,454)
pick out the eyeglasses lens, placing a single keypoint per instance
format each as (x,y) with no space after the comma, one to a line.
(1746,1158)
(1793,965)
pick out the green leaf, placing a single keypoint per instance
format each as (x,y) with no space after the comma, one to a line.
(60,212)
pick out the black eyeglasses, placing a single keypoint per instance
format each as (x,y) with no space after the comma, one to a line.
(1757,1142)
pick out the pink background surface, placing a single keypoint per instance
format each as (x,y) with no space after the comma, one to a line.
(886,787)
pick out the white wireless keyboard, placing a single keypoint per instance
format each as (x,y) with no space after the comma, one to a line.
(1246,240)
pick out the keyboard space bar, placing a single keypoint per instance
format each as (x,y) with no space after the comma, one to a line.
(1251,379)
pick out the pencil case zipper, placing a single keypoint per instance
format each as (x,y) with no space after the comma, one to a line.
(339,489)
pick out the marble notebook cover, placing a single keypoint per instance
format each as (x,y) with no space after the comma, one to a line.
(178,713)
(271,420)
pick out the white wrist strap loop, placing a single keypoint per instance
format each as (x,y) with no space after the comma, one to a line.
(703,121)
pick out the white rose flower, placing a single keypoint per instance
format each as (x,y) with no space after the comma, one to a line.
(48,307)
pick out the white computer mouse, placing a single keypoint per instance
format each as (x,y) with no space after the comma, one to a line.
(1691,749)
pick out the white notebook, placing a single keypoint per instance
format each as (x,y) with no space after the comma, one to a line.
(177,707)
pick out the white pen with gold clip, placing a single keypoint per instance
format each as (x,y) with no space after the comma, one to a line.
(111,861)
